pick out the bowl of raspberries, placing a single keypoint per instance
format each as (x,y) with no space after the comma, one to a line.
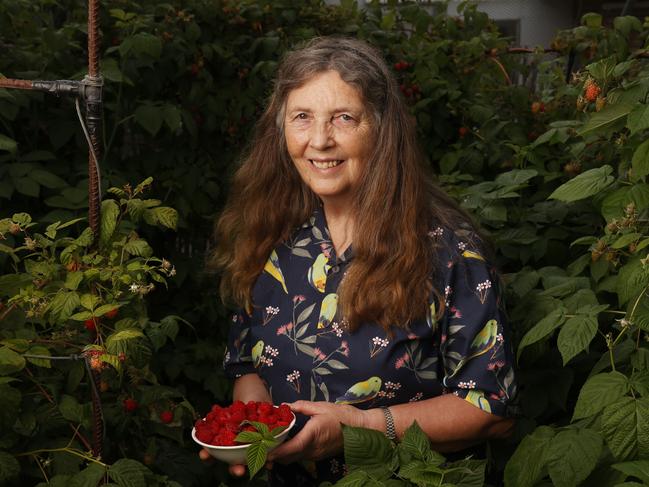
(220,431)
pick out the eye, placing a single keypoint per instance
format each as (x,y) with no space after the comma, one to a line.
(345,117)
(301,116)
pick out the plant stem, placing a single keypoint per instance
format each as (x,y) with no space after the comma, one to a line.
(71,451)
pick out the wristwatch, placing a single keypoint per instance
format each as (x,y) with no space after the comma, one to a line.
(390,431)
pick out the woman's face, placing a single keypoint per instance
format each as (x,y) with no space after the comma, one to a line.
(329,136)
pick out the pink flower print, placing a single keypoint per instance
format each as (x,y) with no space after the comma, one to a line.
(289,326)
(455,313)
(494,396)
(412,336)
(344,348)
(443,338)
(399,363)
(298,299)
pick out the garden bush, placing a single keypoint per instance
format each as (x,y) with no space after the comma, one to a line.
(546,148)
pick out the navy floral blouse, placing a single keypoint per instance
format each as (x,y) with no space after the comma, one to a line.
(299,346)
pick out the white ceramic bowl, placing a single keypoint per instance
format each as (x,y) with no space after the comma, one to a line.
(236,455)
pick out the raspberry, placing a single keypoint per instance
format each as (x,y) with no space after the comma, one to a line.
(537,107)
(166,416)
(462,131)
(130,405)
(90,325)
(112,313)
(591,91)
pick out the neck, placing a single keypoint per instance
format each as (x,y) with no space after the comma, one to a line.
(340,222)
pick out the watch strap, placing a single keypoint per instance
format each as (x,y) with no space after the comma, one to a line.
(390,430)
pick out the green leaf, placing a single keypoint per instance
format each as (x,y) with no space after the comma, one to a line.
(109,215)
(10,398)
(575,336)
(89,476)
(637,468)
(416,443)
(573,456)
(587,184)
(64,304)
(640,160)
(9,468)
(114,341)
(466,473)
(39,350)
(366,449)
(47,179)
(70,409)
(138,248)
(10,361)
(638,119)
(144,43)
(7,144)
(528,463)
(128,473)
(163,216)
(542,329)
(172,117)
(591,19)
(606,119)
(150,118)
(256,457)
(105,308)
(598,392)
(73,279)
(625,425)
(625,240)
(248,437)
(632,279)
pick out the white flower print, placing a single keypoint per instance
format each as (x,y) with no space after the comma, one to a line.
(483,289)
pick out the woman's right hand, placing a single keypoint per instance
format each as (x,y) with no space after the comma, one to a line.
(235,470)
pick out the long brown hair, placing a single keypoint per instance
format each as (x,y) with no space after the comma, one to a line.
(389,280)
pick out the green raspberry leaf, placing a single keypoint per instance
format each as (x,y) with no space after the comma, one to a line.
(256,457)
(248,437)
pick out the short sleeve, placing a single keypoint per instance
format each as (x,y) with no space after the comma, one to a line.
(237,360)
(476,351)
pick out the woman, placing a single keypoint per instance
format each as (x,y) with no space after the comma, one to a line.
(365,299)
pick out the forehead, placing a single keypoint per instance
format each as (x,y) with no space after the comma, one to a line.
(325,90)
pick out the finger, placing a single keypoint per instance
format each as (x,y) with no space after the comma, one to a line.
(205,456)
(237,470)
(293,449)
(308,408)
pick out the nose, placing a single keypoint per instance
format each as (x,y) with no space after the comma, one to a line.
(322,135)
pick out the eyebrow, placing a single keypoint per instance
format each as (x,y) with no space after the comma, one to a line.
(335,110)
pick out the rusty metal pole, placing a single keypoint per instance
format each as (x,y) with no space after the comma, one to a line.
(93,87)
(93,84)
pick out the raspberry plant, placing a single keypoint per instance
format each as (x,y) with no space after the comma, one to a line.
(58,374)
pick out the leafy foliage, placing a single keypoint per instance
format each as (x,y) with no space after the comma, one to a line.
(548,151)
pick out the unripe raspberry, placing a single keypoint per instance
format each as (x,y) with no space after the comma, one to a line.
(166,416)
(572,168)
(537,107)
(600,103)
(591,91)
(14,228)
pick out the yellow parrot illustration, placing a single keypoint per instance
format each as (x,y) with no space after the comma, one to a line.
(361,391)
(317,274)
(481,344)
(477,398)
(328,310)
(257,350)
(272,267)
(431,317)
(472,255)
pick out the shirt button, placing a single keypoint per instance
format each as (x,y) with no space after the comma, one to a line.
(335,269)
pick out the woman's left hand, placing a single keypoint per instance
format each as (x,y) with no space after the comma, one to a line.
(322,435)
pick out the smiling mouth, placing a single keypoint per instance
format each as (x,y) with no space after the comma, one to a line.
(326,164)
